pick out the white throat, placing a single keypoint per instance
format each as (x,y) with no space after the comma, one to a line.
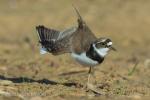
(101,51)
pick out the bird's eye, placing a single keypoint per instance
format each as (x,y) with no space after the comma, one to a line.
(99,45)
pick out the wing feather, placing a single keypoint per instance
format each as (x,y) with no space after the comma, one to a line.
(76,39)
(54,41)
(84,37)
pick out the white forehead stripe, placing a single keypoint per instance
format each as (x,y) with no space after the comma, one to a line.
(109,43)
(103,40)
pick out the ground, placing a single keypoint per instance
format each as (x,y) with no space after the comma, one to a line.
(25,74)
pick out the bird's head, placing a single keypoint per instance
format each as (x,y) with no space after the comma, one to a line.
(102,46)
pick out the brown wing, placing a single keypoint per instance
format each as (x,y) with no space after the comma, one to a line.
(83,36)
(72,40)
(54,41)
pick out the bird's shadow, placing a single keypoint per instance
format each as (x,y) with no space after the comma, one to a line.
(42,81)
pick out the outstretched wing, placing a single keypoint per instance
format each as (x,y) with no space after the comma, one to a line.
(54,41)
(76,39)
(83,38)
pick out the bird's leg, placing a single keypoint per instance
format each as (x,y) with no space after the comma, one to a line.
(89,83)
(88,80)
(90,86)
(93,75)
(89,75)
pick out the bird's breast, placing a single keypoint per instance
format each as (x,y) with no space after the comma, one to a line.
(84,60)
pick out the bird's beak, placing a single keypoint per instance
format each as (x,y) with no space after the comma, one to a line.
(112,48)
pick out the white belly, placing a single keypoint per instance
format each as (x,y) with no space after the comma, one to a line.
(83,59)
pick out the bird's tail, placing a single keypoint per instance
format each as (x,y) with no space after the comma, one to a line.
(43,50)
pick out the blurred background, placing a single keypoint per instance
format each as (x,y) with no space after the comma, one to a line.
(126,22)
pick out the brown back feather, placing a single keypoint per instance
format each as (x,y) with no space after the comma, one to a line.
(83,37)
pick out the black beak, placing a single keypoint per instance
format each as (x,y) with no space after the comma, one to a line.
(112,48)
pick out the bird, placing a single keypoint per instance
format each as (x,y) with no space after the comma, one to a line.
(79,41)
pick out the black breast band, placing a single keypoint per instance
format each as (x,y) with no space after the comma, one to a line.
(91,53)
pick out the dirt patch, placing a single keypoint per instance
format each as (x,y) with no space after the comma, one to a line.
(25,74)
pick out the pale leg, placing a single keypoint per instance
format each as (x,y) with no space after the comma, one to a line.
(89,85)
(89,75)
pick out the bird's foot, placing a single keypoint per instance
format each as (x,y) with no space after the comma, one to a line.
(91,88)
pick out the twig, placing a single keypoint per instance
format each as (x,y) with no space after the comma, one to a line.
(133,69)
